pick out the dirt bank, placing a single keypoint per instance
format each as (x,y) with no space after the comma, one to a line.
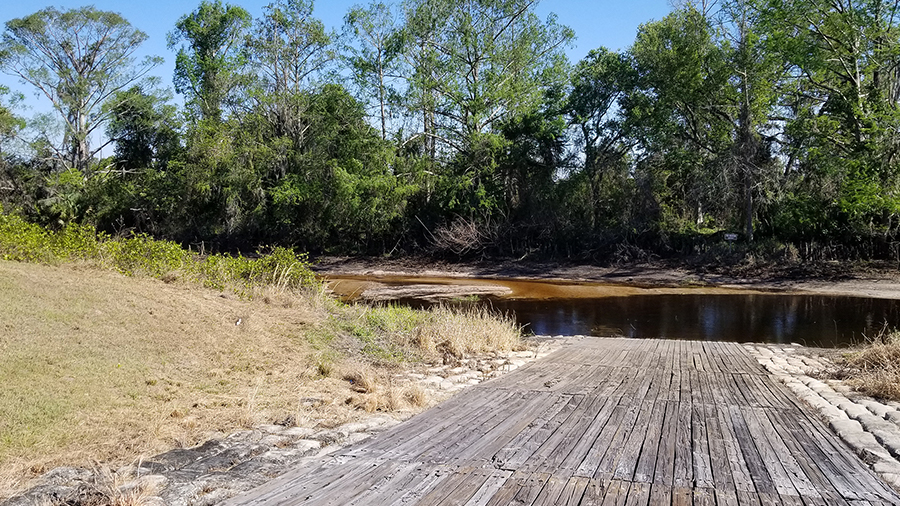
(832,279)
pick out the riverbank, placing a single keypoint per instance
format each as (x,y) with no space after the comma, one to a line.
(101,371)
(861,280)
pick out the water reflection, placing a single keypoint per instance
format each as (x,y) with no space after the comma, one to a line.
(807,319)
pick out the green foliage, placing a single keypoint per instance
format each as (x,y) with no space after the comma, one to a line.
(209,61)
(465,130)
(139,254)
(386,333)
(144,129)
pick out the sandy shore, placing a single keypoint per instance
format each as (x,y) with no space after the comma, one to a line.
(878,283)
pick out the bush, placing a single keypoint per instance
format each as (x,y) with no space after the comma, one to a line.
(140,254)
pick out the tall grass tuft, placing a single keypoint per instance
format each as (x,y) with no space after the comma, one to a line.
(875,370)
(396,333)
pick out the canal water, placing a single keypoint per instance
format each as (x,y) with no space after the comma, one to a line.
(557,308)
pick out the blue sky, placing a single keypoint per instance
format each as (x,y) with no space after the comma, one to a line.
(596,23)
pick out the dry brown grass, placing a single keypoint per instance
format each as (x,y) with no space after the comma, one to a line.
(99,367)
(110,488)
(457,332)
(409,398)
(362,378)
(875,369)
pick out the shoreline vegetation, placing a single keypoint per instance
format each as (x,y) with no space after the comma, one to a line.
(117,348)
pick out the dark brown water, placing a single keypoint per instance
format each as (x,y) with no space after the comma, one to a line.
(713,314)
(811,320)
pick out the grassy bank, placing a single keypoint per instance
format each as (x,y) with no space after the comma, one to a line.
(115,348)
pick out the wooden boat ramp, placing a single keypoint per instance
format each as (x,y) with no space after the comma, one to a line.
(601,422)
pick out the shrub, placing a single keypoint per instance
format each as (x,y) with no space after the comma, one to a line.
(140,254)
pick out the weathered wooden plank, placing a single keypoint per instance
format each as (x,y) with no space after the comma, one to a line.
(656,384)
(319,491)
(426,480)
(684,386)
(660,494)
(614,377)
(488,489)
(573,492)
(343,492)
(745,498)
(725,497)
(541,434)
(759,475)
(616,493)
(462,436)
(510,426)
(616,446)
(393,486)
(415,435)
(549,494)
(572,441)
(664,471)
(531,488)
(587,440)
(602,421)
(594,492)
(683,475)
(646,464)
(448,492)
(704,497)
(864,485)
(591,461)
(638,494)
(737,466)
(807,461)
(628,459)
(718,457)
(702,466)
(682,496)
(509,489)
(518,443)
(559,445)
(784,470)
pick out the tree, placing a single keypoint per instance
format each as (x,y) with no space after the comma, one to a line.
(376,58)
(78,59)
(682,114)
(287,49)
(839,104)
(144,129)
(599,83)
(757,73)
(476,65)
(10,123)
(209,61)
(495,59)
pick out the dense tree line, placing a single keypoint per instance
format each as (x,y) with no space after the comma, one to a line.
(459,126)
